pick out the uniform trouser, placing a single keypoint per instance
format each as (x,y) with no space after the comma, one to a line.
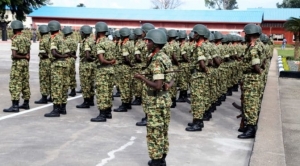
(198,95)
(103,86)
(72,73)
(173,90)
(251,97)
(183,77)
(213,84)
(157,131)
(87,76)
(59,85)
(144,97)
(125,84)
(19,80)
(117,76)
(137,86)
(223,79)
(45,76)
(235,71)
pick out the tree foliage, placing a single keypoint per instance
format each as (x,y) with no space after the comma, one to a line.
(221,4)
(293,25)
(166,4)
(80,5)
(21,7)
(289,4)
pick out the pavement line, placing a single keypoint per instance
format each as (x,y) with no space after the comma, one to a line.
(111,154)
(33,109)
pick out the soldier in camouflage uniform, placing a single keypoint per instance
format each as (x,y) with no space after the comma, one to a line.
(59,72)
(158,99)
(71,60)
(19,74)
(45,64)
(87,67)
(126,50)
(251,80)
(118,70)
(104,72)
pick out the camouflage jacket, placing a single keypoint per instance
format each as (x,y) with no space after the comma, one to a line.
(252,56)
(44,46)
(20,44)
(107,48)
(71,44)
(172,48)
(127,50)
(87,44)
(140,48)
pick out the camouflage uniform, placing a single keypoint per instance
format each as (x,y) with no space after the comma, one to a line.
(45,65)
(183,80)
(72,46)
(19,73)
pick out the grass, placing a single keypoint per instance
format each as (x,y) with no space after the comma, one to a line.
(286,53)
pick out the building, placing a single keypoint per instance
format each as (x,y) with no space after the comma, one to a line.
(10,17)
(225,21)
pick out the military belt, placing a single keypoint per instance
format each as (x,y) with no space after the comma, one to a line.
(104,66)
(155,93)
(60,59)
(196,71)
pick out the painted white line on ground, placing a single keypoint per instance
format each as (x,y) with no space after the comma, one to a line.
(34,109)
(111,154)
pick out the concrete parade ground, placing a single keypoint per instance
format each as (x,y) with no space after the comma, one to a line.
(29,139)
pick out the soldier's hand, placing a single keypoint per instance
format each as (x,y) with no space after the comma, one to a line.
(113,62)
(138,76)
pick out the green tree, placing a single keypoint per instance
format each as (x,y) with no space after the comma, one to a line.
(289,4)
(80,5)
(221,4)
(166,4)
(293,25)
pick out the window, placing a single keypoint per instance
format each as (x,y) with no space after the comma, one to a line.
(277,37)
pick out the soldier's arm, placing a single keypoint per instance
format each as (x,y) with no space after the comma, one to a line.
(175,58)
(137,54)
(103,60)
(125,53)
(255,61)
(56,54)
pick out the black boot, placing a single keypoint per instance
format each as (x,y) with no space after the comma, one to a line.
(14,107)
(213,107)
(72,93)
(163,160)
(229,92)
(128,106)
(43,100)
(143,122)
(91,101)
(219,101)
(249,133)
(242,130)
(79,91)
(85,104)
(100,118)
(118,94)
(207,115)
(50,99)
(181,97)
(25,105)
(63,109)
(185,96)
(191,124)
(54,112)
(154,162)
(173,102)
(137,101)
(122,108)
(108,114)
(235,88)
(196,125)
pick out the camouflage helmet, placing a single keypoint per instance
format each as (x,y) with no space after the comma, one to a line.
(138,31)
(182,35)
(211,37)
(16,24)
(224,39)
(101,27)
(67,30)
(54,26)
(200,29)
(191,35)
(85,29)
(124,32)
(131,36)
(251,29)
(147,27)
(218,35)
(44,29)
(117,34)
(157,36)
(164,30)
(172,33)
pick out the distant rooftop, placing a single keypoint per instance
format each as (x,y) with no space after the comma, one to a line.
(275,14)
(228,16)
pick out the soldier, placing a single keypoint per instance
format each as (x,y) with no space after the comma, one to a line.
(71,60)
(158,98)
(59,73)
(87,66)
(118,70)
(19,74)
(199,70)
(45,64)
(126,50)
(104,72)
(251,80)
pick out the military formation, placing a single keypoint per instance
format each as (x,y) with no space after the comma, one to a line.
(149,65)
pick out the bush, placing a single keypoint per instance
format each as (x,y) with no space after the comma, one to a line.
(285,64)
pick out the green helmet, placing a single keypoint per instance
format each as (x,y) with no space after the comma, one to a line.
(44,29)
(207,35)
(164,30)
(182,35)
(172,33)
(191,35)
(243,40)
(101,27)
(131,36)
(107,33)
(67,30)
(211,37)
(16,24)
(218,35)
(86,29)
(200,29)
(147,27)
(117,34)
(124,32)
(54,26)
(235,38)
(252,29)
(224,39)
(157,36)
(229,37)
(138,31)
